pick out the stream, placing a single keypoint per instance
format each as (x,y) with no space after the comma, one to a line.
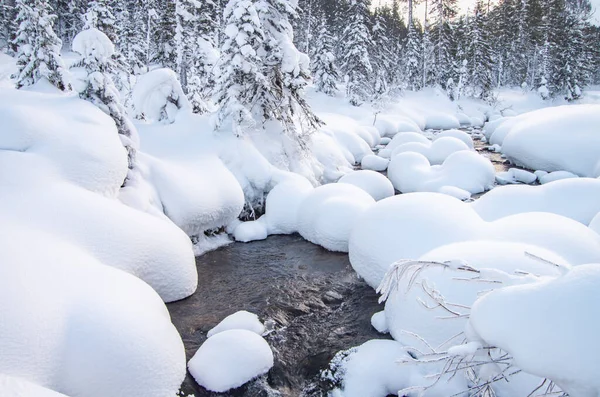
(310,298)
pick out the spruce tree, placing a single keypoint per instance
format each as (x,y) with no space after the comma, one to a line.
(442,12)
(479,55)
(413,71)
(38,47)
(355,61)
(325,73)
(99,15)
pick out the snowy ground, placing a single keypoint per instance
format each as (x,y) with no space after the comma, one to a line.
(121,253)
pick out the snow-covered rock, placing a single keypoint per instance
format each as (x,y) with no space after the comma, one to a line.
(246,232)
(574,198)
(436,152)
(377,185)
(379,322)
(374,163)
(410,225)
(239,320)
(522,320)
(466,170)
(283,204)
(557,176)
(401,139)
(563,138)
(441,121)
(229,359)
(458,134)
(329,212)
(390,125)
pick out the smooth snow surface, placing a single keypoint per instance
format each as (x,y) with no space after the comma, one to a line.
(563,138)
(229,359)
(521,320)
(557,176)
(401,139)
(328,214)
(595,223)
(458,134)
(374,163)
(157,96)
(283,204)
(410,225)
(377,185)
(466,170)
(574,198)
(11,386)
(436,152)
(239,320)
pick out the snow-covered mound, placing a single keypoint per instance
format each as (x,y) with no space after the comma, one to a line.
(17,387)
(595,223)
(574,198)
(410,225)
(390,125)
(329,212)
(98,331)
(458,134)
(93,44)
(335,158)
(405,313)
(283,204)
(556,176)
(441,121)
(564,138)
(522,320)
(466,170)
(157,96)
(374,163)
(356,139)
(515,175)
(436,152)
(401,139)
(377,185)
(230,359)
(239,320)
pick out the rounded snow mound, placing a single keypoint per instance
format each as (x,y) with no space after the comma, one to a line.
(17,387)
(441,121)
(563,138)
(401,139)
(436,152)
(377,185)
(158,96)
(410,225)
(239,320)
(230,359)
(329,212)
(390,125)
(458,134)
(595,223)
(283,204)
(466,170)
(405,314)
(521,320)
(573,198)
(374,163)
(93,44)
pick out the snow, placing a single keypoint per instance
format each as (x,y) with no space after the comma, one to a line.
(239,320)
(374,183)
(16,387)
(372,369)
(390,125)
(402,138)
(246,232)
(563,138)
(93,44)
(157,96)
(436,152)
(379,322)
(441,121)
(357,139)
(465,170)
(573,198)
(328,213)
(406,315)
(374,163)
(595,223)
(557,176)
(230,359)
(410,225)
(517,319)
(458,134)
(283,204)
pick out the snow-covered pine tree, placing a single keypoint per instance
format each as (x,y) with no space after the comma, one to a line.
(97,52)
(134,40)
(99,15)
(185,37)
(479,55)
(240,80)
(427,53)
(162,27)
(38,47)
(413,66)
(7,22)
(355,61)
(381,56)
(325,73)
(442,12)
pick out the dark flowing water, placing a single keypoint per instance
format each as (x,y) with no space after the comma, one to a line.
(311,297)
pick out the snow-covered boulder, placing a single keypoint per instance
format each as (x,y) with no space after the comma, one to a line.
(574,198)
(390,125)
(157,96)
(357,139)
(374,163)
(372,369)
(522,320)
(329,212)
(283,204)
(410,225)
(465,170)
(436,152)
(557,176)
(230,359)
(377,185)
(406,315)
(563,138)
(441,121)
(458,134)
(239,320)
(401,139)
(335,158)
(249,231)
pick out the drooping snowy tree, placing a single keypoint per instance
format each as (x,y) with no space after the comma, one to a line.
(97,52)
(355,61)
(99,15)
(38,47)
(325,73)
